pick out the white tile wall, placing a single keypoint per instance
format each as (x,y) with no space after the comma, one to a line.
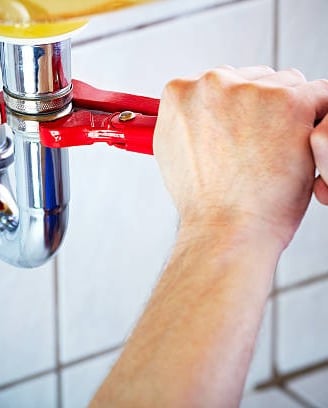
(143,61)
(270,399)
(123,223)
(26,321)
(313,388)
(118,242)
(261,367)
(307,254)
(39,393)
(303,31)
(151,13)
(81,382)
(302,327)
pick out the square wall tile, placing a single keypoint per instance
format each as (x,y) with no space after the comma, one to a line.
(33,394)
(270,399)
(303,31)
(307,254)
(313,388)
(81,382)
(143,61)
(261,367)
(302,327)
(122,228)
(115,23)
(26,321)
(123,223)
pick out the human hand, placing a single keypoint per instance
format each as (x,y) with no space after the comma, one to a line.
(319,143)
(233,147)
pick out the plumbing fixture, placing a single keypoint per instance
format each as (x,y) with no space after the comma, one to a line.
(37,90)
(36,87)
(40,101)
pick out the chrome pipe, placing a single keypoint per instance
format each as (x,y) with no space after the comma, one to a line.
(8,207)
(3,138)
(37,87)
(36,78)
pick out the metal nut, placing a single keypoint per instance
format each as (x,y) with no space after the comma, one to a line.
(126,116)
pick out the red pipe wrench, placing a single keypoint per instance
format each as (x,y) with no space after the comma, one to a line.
(118,119)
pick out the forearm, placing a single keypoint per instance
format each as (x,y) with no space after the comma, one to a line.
(193,346)
(194,343)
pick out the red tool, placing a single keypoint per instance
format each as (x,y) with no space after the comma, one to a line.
(121,120)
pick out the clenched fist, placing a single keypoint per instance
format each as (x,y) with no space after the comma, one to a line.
(234,147)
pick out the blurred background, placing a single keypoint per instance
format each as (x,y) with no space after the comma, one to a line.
(63,326)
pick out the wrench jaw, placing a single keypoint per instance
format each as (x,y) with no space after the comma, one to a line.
(121,120)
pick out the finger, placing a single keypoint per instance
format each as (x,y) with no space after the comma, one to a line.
(319,145)
(320,190)
(290,77)
(245,73)
(317,93)
(254,73)
(227,73)
(248,73)
(227,67)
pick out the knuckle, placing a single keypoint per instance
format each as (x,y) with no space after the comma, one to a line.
(297,73)
(246,93)
(177,86)
(266,95)
(246,87)
(322,82)
(267,69)
(286,96)
(218,77)
(212,76)
(285,92)
(293,102)
(226,66)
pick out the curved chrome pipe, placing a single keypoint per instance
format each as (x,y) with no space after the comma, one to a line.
(37,86)
(9,213)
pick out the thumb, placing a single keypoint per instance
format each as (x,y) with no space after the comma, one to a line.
(319,145)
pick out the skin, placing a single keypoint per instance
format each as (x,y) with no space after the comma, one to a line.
(234,150)
(319,144)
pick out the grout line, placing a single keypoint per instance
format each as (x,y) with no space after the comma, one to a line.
(26,379)
(297,398)
(159,21)
(89,357)
(61,367)
(274,332)
(57,332)
(275,314)
(292,375)
(276,33)
(59,399)
(301,284)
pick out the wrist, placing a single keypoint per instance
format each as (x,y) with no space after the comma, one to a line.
(231,230)
(210,252)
